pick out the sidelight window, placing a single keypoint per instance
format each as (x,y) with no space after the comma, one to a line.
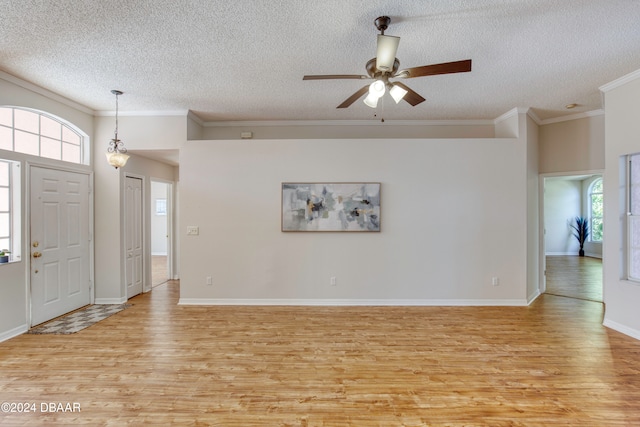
(10,209)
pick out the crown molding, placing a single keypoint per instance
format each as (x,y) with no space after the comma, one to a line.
(509,114)
(620,81)
(570,117)
(534,116)
(167,113)
(275,123)
(44,92)
(193,116)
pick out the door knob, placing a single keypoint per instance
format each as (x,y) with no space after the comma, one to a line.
(36,244)
(37,254)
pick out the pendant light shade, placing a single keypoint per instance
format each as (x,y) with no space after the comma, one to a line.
(376,91)
(116,151)
(371,100)
(397,93)
(377,88)
(117,160)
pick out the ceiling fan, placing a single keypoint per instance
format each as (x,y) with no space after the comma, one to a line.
(385,66)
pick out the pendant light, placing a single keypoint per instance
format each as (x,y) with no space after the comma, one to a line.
(116,152)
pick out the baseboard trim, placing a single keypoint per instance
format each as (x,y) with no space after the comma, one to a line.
(12,333)
(110,300)
(354,302)
(587,254)
(633,333)
(533,297)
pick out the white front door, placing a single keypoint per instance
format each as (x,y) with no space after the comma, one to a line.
(133,236)
(60,272)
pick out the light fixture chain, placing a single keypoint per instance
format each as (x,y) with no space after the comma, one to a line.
(115,150)
(116,131)
(116,145)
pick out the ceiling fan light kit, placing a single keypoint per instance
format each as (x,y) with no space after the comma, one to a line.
(385,66)
(397,93)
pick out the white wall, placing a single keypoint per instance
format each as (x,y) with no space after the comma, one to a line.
(530,139)
(622,128)
(453,216)
(368,129)
(572,145)
(562,203)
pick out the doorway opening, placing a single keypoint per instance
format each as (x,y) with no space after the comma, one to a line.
(565,273)
(161,221)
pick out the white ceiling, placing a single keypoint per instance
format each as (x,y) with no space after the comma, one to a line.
(244,59)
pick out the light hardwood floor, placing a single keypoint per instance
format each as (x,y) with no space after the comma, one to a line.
(159,271)
(158,363)
(574,277)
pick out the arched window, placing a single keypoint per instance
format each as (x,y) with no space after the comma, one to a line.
(596,207)
(40,134)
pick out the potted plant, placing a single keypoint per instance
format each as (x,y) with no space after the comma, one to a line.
(580,232)
(4,256)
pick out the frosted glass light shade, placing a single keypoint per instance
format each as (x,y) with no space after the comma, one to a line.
(377,88)
(386,52)
(397,93)
(372,100)
(117,160)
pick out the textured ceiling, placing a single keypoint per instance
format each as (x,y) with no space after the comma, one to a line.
(244,59)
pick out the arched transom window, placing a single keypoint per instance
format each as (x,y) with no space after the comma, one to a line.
(40,134)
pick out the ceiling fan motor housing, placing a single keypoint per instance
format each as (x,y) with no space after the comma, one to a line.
(382,23)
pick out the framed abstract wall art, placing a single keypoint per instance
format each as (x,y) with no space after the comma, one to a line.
(331,206)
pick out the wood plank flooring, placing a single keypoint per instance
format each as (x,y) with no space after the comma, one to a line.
(159,271)
(574,277)
(158,363)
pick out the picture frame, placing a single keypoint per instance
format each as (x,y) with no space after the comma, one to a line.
(330,207)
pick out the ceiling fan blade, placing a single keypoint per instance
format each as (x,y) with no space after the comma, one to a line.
(336,76)
(353,98)
(411,97)
(434,69)
(386,53)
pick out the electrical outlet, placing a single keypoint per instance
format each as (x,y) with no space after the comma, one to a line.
(332,280)
(495,281)
(209,280)
(193,230)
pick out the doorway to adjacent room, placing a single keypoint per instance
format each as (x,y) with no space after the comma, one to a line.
(161,220)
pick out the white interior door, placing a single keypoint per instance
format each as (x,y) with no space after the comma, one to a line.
(133,236)
(60,247)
